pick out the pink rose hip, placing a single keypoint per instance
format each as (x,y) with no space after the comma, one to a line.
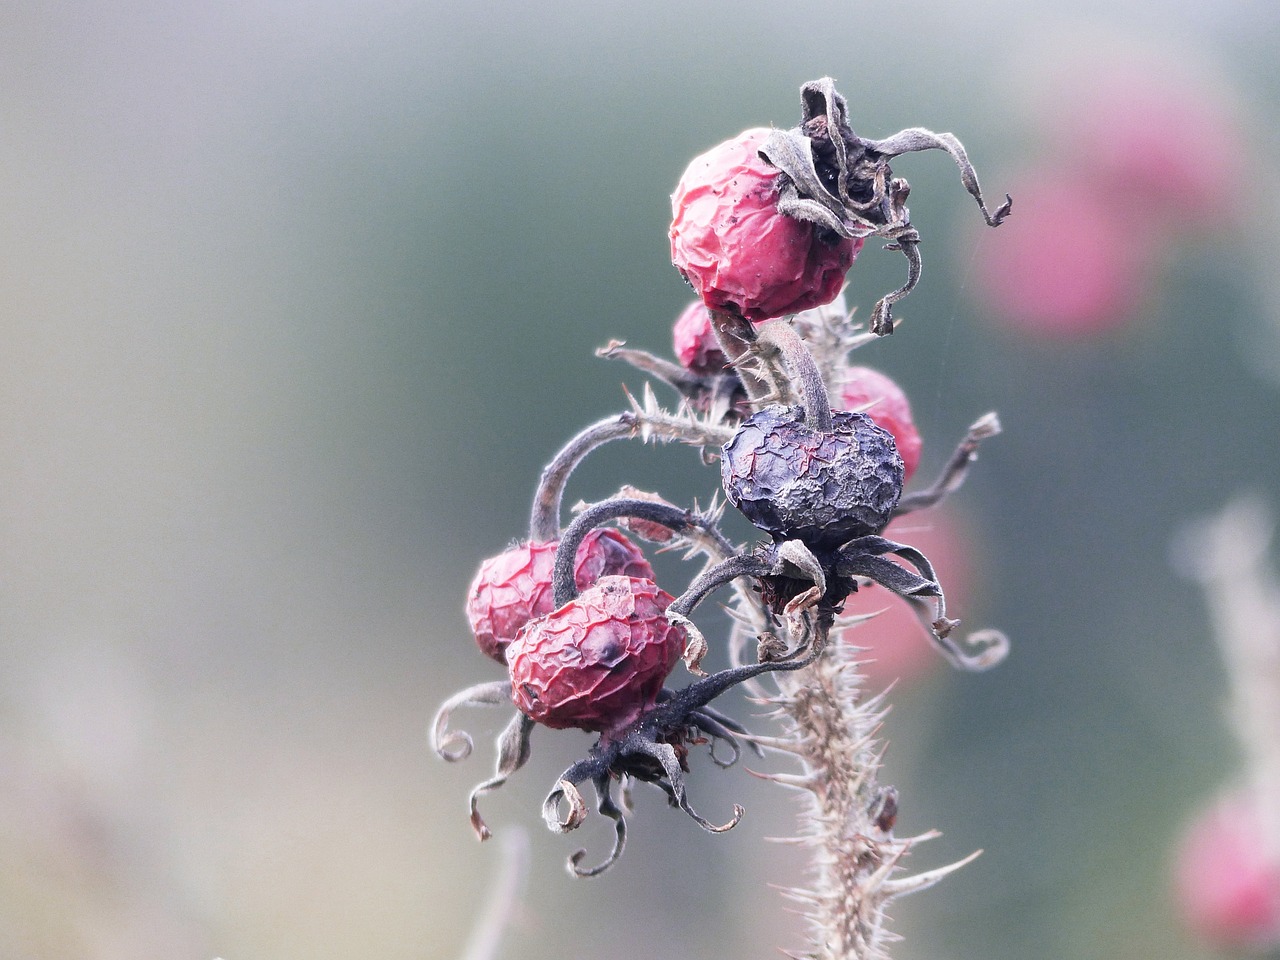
(515,586)
(869,391)
(599,661)
(737,251)
(1228,877)
(695,341)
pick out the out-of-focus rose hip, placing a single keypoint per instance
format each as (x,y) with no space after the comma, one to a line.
(599,661)
(737,251)
(1067,266)
(515,586)
(864,390)
(1159,135)
(1227,877)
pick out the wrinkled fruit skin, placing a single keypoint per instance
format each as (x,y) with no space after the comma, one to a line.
(695,343)
(514,587)
(599,661)
(739,254)
(796,482)
(869,391)
(1227,885)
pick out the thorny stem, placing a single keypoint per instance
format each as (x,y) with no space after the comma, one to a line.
(848,817)
(758,363)
(736,335)
(544,522)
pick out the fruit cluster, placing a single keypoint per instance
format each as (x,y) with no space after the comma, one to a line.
(814,453)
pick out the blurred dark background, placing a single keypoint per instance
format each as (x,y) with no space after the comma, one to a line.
(298,297)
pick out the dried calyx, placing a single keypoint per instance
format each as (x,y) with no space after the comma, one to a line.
(842,182)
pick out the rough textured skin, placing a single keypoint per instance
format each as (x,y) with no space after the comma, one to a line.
(599,661)
(514,587)
(739,254)
(799,483)
(695,342)
(864,390)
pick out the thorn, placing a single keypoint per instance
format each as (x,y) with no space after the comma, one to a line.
(792,841)
(986,426)
(922,881)
(784,744)
(798,894)
(794,780)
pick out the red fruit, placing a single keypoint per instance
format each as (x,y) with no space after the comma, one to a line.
(1227,878)
(599,661)
(739,254)
(1066,265)
(514,587)
(864,390)
(696,345)
(895,647)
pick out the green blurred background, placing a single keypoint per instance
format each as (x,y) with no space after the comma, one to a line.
(298,297)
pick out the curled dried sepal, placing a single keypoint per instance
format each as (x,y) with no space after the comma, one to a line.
(956,469)
(647,750)
(566,791)
(606,807)
(863,557)
(978,651)
(695,646)
(513,753)
(455,745)
(843,183)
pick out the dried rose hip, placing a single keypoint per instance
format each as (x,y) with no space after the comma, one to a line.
(737,251)
(514,587)
(864,390)
(695,342)
(821,487)
(599,661)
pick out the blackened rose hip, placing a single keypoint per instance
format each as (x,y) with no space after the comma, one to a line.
(823,487)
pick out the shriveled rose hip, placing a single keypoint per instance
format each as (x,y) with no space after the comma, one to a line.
(822,487)
(695,342)
(737,251)
(515,586)
(869,391)
(599,661)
